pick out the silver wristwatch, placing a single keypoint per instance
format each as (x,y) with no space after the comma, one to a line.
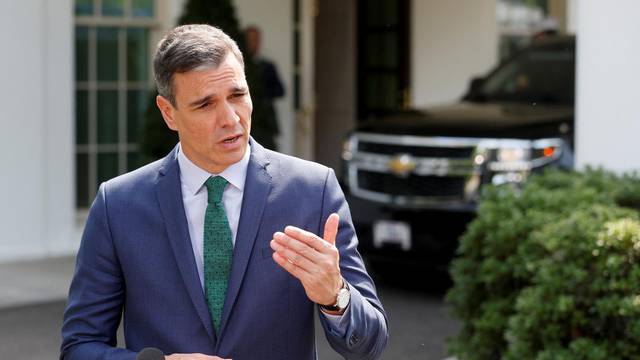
(342,300)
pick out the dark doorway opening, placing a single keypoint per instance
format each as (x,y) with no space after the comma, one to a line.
(383,57)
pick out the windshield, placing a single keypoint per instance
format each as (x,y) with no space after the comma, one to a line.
(536,75)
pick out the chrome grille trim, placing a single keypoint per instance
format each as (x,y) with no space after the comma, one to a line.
(465,168)
(424,166)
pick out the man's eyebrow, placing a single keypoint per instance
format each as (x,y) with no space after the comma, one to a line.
(201,101)
(239,89)
(208,98)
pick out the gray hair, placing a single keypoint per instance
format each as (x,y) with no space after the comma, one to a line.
(187,48)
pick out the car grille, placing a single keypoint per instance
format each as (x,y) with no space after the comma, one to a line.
(418,151)
(411,170)
(412,185)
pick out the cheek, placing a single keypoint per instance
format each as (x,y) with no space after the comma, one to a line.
(246,113)
(246,122)
(197,128)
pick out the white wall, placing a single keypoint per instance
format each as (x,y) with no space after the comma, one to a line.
(572,16)
(275,19)
(36,180)
(608,78)
(451,42)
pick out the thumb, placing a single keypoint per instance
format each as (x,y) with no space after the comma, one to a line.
(331,228)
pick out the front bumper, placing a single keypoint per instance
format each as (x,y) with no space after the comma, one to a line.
(434,232)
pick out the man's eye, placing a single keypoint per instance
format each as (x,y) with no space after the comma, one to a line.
(204,106)
(237,95)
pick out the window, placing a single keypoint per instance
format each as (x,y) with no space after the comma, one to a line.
(112,86)
(383,50)
(544,75)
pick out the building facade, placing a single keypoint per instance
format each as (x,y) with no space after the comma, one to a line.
(78,78)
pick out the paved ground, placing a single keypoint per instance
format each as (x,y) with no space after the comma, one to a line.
(28,282)
(419,321)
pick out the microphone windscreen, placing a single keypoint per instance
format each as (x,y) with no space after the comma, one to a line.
(150,354)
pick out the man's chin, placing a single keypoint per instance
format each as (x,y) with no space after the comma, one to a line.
(236,152)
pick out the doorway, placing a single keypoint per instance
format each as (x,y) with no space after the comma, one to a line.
(361,68)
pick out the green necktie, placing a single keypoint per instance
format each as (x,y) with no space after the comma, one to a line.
(218,249)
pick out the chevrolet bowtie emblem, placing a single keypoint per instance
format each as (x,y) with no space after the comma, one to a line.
(402,165)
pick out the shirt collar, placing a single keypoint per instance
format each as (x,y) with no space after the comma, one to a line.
(194,177)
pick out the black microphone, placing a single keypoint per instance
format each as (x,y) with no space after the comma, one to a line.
(150,353)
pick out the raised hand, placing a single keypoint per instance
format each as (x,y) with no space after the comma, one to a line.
(313,260)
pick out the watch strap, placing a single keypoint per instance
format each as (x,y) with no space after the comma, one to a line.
(334,306)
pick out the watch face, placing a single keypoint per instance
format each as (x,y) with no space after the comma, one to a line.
(343,298)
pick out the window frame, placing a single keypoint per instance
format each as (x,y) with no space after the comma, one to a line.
(122,147)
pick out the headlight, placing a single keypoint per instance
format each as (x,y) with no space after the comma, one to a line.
(508,178)
(510,155)
(347,149)
(513,160)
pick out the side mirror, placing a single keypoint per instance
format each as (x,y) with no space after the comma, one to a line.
(475,84)
(474,88)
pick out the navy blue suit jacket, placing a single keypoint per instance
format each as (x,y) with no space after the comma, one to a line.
(136,263)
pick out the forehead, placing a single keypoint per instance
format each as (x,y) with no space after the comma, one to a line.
(207,80)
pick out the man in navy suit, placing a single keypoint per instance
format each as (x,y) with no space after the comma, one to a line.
(146,255)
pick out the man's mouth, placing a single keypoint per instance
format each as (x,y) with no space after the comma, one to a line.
(231,139)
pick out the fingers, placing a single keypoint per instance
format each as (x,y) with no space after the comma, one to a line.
(331,228)
(308,238)
(297,252)
(290,267)
(311,259)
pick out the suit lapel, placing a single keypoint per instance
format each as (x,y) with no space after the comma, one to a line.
(169,194)
(254,200)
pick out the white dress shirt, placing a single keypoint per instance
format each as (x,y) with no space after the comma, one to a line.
(194,198)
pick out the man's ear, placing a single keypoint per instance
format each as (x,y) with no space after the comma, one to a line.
(167,112)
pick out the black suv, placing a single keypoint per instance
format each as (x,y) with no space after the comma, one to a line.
(413,178)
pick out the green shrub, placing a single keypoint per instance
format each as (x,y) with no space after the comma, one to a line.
(501,263)
(584,297)
(627,194)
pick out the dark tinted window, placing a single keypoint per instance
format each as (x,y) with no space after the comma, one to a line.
(544,75)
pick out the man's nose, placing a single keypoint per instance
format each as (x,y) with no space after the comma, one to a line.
(229,116)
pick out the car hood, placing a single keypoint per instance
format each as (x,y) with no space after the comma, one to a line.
(468,119)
